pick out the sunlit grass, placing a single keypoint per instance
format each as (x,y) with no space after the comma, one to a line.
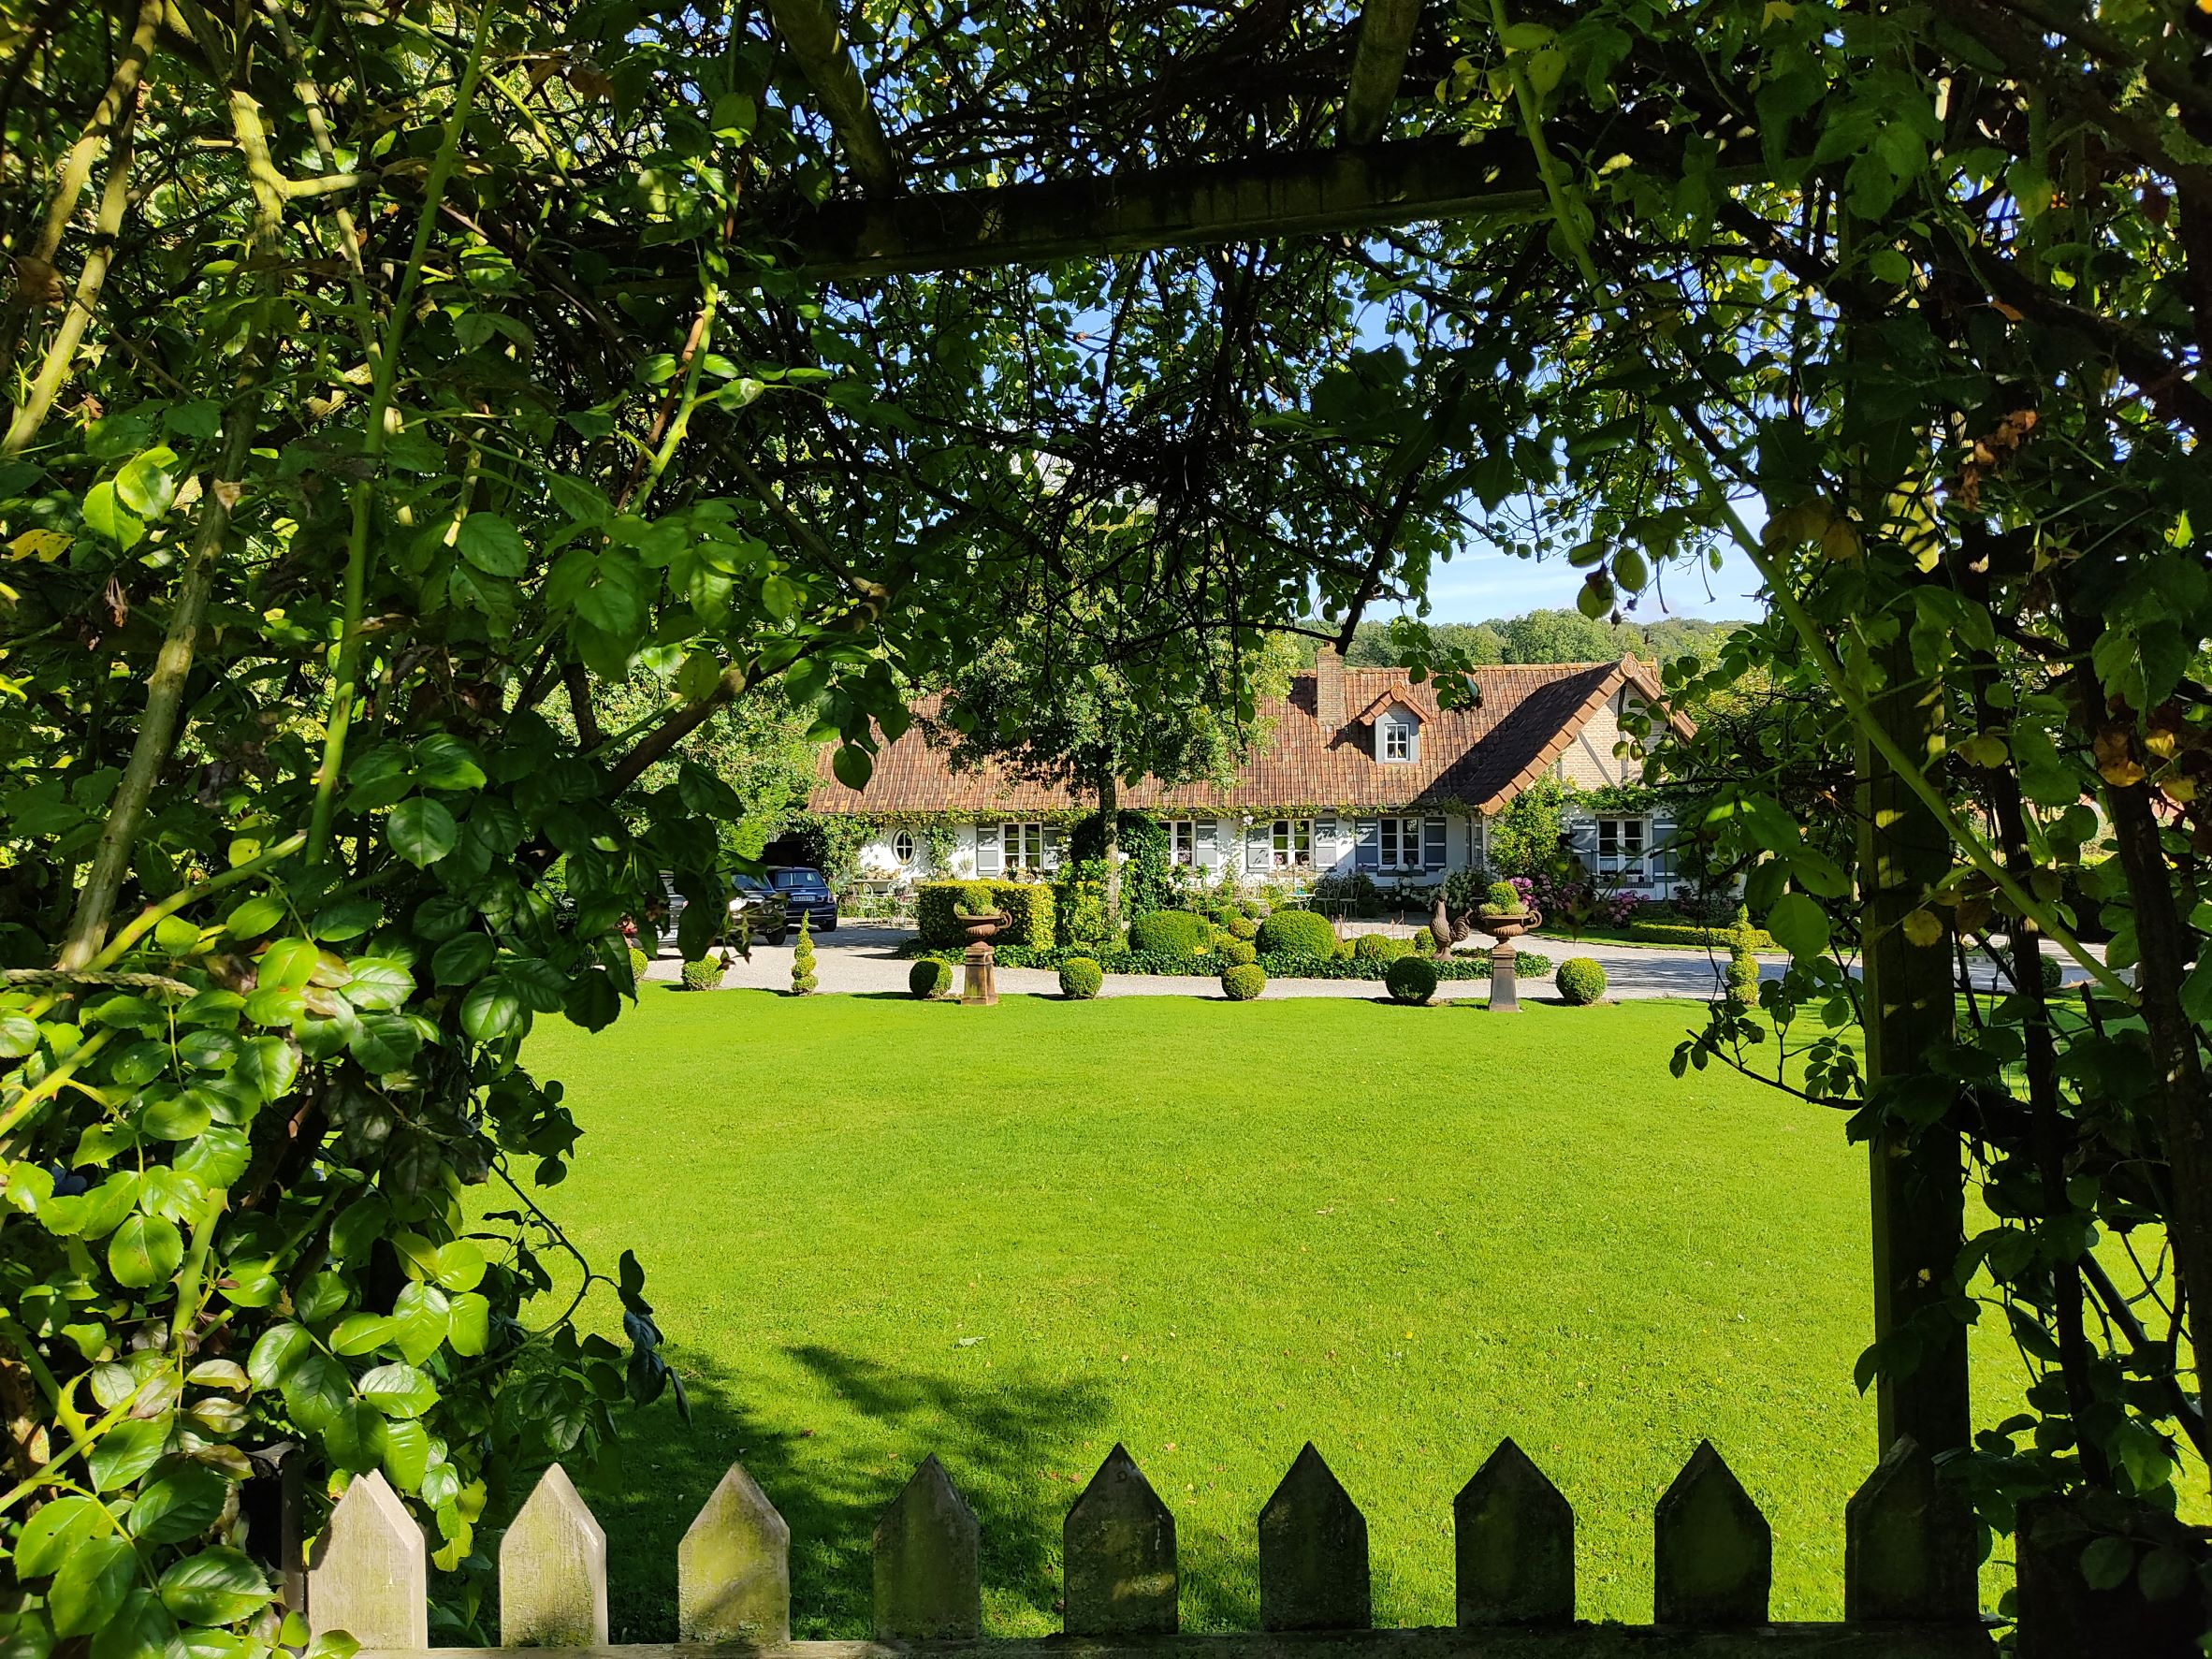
(875,1228)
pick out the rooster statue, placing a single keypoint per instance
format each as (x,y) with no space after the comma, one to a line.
(1447,929)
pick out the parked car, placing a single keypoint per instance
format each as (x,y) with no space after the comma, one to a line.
(805,891)
(761,907)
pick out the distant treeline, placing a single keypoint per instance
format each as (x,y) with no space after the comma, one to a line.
(1542,636)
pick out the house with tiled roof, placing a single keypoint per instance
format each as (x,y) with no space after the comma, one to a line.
(1358,769)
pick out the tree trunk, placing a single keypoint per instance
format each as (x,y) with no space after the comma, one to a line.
(1110,840)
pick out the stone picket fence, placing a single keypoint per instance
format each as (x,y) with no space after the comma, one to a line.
(1910,1589)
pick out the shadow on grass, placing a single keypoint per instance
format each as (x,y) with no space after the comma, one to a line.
(1006,1448)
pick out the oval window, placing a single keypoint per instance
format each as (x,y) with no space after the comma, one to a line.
(902,847)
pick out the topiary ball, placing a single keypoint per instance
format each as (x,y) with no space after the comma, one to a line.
(1080,979)
(639,962)
(1243,981)
(1172,933)
(1380,947)
(1296,933)
(704,974)
(2053,975)
(1743,979)
(930,978)
(1411,980)
(1582,980)
(1238,951)
(1243,927)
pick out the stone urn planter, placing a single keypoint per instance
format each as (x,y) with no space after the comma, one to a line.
(978,982)
(982,929)
(1509,926)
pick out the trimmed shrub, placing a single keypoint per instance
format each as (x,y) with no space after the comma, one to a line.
(1582,980)
(1171,933)
(1029,905)
(1080,979)
(1380,947)
(704,974)
(1502,898)
(2053,975)
(1423,942)
(930,978)
(1079,910)
(1243,981)
(1238,951)
(1743,969)
(1298,933)
(1411,980)
(802,958)
(639,962)
(1243,927)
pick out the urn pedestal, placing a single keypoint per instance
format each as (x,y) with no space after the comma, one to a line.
(977,986)
(1505,995)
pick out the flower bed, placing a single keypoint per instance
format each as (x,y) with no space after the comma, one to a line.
(1279,965)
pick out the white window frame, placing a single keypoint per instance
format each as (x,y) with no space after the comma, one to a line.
(1290,843)
(1029,844)
(1625,847)
(903,847)
(1400,833)
(1182,840)
(1397,739)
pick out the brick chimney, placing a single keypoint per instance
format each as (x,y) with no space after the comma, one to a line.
(1329,689)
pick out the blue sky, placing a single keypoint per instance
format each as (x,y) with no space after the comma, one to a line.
(1479,584)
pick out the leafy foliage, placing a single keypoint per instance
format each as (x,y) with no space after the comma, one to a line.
(1580,979)
(929,977)
(803,978)
(1244,983)
(1080,979)
(1411,980)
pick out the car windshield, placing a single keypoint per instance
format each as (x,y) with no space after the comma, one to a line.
(798,878)
(750,884)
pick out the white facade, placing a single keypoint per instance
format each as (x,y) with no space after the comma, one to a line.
(1414,848)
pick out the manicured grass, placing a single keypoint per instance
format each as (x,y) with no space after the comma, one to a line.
(876,1229)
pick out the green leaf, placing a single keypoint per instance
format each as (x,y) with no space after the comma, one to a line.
(323,1295)
(254,918)
(384,1042)
(144,1251)
(129,1449)
(459,1265)
(419,1314)
(288,964)
(148,484)
(316,1389)
(469,1325)
(421,831)
(494,1009)
(406,1453)
(2107,1562)
(853,766)
(183,1498)
(378,982)
(217,1586)
(492,544)
(175,1117)
(360,1333)
(359,1224)
(463,958)
(276,1353)
(269,1065)
(354,1436)
(49,1537)
(1798,924)
(175,937)
(90,1586)
(399,1390)
(780,597)
(19,1036)
(141,1628)
(111,518)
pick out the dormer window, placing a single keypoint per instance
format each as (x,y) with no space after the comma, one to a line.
(1397,737)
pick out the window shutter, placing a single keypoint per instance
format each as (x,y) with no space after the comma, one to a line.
(987,861)
(1054,839)
(1432,844)
(1367,845)
(1208,853)
(1258,845)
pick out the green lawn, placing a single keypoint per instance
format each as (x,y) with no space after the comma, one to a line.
(875,1228)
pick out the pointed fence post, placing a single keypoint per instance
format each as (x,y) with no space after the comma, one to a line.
(1514,1537)
(928,1575)
(1118,1554)
(1312,1554)
(553,1570)
(1909,1546)
(371,1576)
(1715,1551)
(732,1569)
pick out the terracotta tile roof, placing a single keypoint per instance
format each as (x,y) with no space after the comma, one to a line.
(1480,757)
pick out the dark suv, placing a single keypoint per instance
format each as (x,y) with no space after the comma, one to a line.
(759,906)
(804,891)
